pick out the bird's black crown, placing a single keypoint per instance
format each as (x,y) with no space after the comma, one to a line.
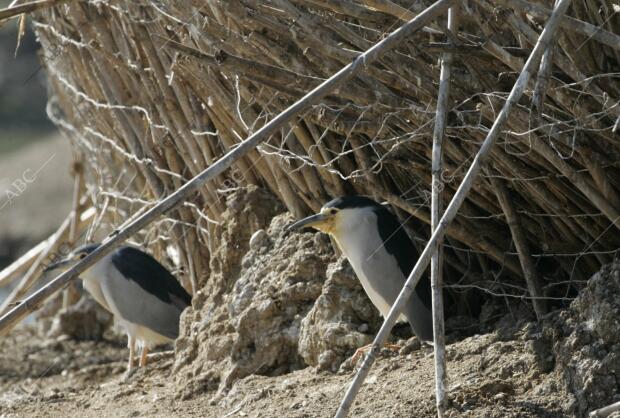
(351,202)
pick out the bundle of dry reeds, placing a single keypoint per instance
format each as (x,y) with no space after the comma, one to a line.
(151,93)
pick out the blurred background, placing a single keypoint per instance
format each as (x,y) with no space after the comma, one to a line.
(35,181)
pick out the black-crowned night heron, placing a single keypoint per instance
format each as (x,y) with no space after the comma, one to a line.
(381,254)
(143,295)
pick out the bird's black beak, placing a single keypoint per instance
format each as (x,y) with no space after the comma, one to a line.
(58,264)
(310,221)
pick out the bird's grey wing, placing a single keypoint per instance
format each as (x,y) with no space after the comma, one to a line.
(418,314)
(141,307)
(150,275)
(397,243)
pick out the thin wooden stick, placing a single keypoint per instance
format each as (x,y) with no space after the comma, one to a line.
(605,411)
(188,189)
(70,295)
(436,209)
(453,207)
(542,81)
(13,11)
(527,263)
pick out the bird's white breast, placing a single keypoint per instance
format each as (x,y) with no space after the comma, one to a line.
(358,237)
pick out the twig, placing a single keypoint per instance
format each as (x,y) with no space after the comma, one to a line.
(188,189)
(542,81)
(453,207)
(10,12)
(568,23)
(529,270)
(436,209)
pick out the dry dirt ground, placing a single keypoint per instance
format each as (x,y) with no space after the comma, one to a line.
(565,366)
(489,377)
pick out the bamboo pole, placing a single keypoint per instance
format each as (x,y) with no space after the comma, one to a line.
(532,279)
(453,207)
(441,116)
(165,205)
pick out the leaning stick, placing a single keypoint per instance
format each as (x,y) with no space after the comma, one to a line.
(70,294)
(188,189)
(453,207)
(532,279)
(436,208)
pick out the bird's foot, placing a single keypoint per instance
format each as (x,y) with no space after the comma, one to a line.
(361,352)
(144,357)
(129,374)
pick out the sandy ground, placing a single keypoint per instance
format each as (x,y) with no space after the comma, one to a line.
(489,377)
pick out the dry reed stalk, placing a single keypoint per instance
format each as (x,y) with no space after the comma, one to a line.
(568,23)
(532,277)
(70,294)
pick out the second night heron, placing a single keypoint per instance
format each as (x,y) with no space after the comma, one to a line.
(381,254)
(144,297)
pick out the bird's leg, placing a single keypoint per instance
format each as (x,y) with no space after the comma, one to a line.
(132,349)
(362,351)
(143,356)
